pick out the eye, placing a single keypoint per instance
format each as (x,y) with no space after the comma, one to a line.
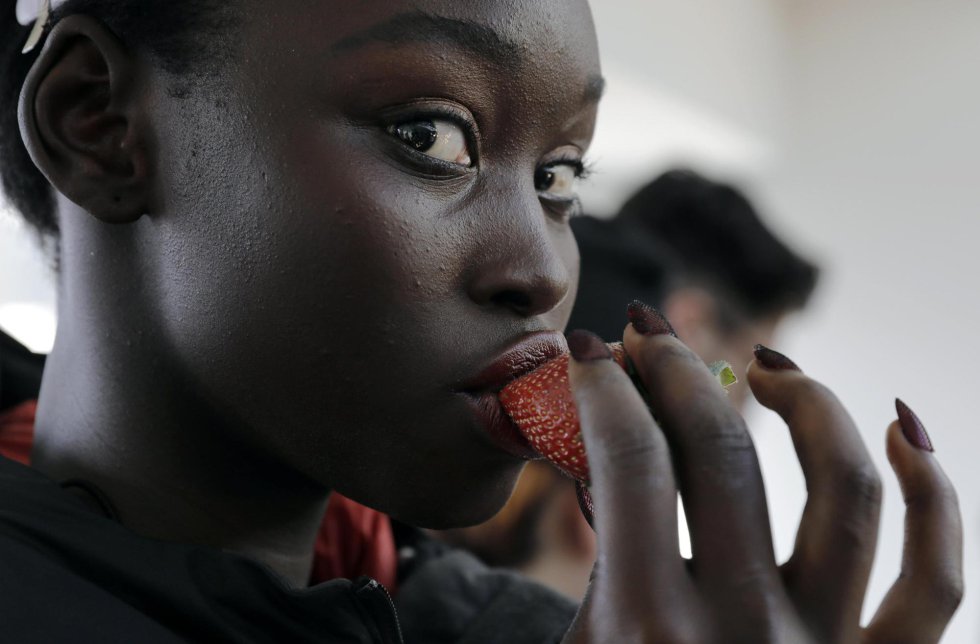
(558,179)
(440,139)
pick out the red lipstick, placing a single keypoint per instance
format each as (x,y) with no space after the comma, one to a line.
(524,356)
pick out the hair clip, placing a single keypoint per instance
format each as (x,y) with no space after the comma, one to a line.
(38,12)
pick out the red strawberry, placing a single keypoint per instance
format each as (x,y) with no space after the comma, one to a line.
(541,405)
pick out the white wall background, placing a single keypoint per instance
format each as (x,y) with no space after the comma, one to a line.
(879,176)
(855,126)
(27,297)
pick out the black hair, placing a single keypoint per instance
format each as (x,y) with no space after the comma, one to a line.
(684,229)
(618,266)
(717,238)
(177,34)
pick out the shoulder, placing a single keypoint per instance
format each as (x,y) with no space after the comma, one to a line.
(69,574)
(42,597)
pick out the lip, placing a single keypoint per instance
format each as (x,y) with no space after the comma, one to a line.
(524,356)
(520,358)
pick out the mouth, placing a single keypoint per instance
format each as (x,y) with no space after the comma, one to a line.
(522,357)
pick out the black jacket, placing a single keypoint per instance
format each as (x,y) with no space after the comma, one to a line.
(70,575)
(20,372)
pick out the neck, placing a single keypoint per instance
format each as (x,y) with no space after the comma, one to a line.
(112,413)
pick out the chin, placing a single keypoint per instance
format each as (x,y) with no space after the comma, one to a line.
(473,505)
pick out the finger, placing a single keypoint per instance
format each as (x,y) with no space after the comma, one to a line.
(828,572)
(632,480)
(715,463)
(920,604)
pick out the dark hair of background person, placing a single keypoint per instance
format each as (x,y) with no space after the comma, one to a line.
(684,229)
(176,34)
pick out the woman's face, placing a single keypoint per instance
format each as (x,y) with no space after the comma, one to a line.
(368,209)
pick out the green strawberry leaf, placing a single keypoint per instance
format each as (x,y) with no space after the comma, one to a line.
(723,371)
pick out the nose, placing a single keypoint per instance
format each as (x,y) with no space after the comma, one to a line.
(525,262)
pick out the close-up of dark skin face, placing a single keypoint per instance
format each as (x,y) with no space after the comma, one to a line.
(308,264)
(335,284)
(314,286)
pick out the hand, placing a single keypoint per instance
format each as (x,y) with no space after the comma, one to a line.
(732,590)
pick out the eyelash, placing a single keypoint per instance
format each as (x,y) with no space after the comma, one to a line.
(567,208)
(583,167)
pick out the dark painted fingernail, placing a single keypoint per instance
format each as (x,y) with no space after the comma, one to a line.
(648,320)
(773,359)
(912,427)
(585,503)
(586,346)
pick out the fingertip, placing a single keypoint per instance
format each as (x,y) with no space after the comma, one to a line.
(647,320)
(769,367)
(585,346)
(754,372)
(633,339)
(906,447)
(763,383)
(914,467)
(896,446)
(773,360)
(631,336)
(792,394)
(758,374)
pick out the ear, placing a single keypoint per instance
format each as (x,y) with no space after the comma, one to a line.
(693,314)
(80,120)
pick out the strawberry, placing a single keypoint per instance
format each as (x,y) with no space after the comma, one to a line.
(541,405)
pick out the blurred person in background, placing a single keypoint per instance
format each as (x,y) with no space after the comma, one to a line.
(699,251)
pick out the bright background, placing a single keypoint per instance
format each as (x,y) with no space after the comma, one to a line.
(854,125)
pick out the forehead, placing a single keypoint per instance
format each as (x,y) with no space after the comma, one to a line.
(512,24)
(549,34)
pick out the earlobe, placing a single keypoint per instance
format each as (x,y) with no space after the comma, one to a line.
(79,116)
(692,312)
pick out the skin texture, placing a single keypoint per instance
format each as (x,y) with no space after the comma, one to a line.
(293,312)
(265,295)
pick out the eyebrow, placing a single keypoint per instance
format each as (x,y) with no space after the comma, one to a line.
(419,26)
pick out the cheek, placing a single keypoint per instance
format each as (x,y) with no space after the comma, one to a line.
(298,272)
(567,248)
(380,226)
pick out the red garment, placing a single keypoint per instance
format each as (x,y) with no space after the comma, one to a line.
(17,432)
(353,540)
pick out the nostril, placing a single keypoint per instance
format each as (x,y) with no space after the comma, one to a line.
(517,301)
